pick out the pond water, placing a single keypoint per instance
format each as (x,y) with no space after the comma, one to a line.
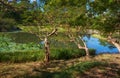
(100,46)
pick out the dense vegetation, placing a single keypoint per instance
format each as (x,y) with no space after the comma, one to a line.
(14,50)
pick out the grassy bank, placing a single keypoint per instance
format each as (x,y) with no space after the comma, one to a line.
(99,37)
(56,54)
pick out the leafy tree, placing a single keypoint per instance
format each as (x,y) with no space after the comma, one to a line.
(69,13)
(107,19)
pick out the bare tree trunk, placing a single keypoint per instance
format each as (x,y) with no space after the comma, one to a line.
(47,50)
(77,42)
(113,41)
(47,46)
(86,50)
(85,47)
(117,45)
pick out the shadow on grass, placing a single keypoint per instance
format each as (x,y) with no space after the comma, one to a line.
(70,72)
(88,69)
(46,74)
(111,70)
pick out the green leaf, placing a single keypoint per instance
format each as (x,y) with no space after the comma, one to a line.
(110,1)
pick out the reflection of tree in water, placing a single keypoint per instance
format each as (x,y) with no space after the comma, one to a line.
(111,47)
(103,43)
(88,36)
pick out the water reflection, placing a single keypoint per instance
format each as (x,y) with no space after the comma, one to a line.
(99,45)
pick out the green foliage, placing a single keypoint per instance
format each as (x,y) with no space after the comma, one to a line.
(66,53)
(16,57)
(79,21)
(8,46)
(106,15)
(76,70)
(82,67)
(60,48)
(35,55)
(69,53)
(17,52)
(7,24)
(34,17)
(65,2)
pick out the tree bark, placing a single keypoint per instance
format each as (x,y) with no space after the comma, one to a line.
(117,45)
(113,41)
(47,50)
(85,47)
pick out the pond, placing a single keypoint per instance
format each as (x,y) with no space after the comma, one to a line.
(100,45)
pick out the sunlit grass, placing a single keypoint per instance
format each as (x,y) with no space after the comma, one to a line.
(99,36)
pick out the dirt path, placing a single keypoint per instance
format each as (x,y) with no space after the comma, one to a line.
(39,70)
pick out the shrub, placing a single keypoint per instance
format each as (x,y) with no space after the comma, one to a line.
(21,56)
(68,53)
(26,56)
(92,52)
(7,24)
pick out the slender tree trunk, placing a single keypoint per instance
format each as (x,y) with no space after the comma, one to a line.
(113,41)
(85,48)
(117,45)
(47,50)
(87,51)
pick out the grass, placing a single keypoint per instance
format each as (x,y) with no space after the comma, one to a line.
(27,56)
(69,53)
(95,67)
(78,69)
(99,37)
(17,57)
(20,37)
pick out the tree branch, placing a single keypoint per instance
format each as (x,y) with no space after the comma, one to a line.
(53,32)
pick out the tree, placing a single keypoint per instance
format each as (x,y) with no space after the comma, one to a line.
(43,34)
(107,19)
(70,13)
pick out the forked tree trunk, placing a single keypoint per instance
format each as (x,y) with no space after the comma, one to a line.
(85,48)
(47,46)
(47,50)
(77,42)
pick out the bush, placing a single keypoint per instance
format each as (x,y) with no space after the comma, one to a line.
(68,53)
(16,57)
(27,56)
(7,24)
(8,46)
(92,52)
